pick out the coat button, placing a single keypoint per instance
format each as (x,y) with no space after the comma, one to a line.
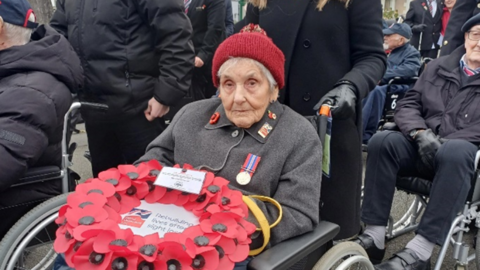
(478,5)
(306,97)
(235,134)
(307,43)
(445,42)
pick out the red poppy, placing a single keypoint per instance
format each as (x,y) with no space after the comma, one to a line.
(81,233)
(214,118)
(229,200)
(96,186)
(64,240)
(148,246)
(155,194)
(116,240)
(201,239)
(81,200)
(224,247)
(206,259)
(222,223)
(60,220)
(124,262)
(127,202)
(133,172)
(114,177)
(170,196)
(189,246)
(87,259)
(182,199)
(88,215)
(175,256)
(153,167)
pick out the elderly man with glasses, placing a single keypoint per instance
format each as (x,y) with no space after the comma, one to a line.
(439,120)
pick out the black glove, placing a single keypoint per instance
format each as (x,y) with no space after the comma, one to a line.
(428,144)
(419,28)
(344,101)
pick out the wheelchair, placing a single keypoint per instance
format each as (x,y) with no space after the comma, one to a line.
(34,233)
(28,243)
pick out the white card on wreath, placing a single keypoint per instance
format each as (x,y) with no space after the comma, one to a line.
(181,179)
(158,218)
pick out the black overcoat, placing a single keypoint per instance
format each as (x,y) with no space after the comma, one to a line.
(461,12)
(322,48)
(418,13)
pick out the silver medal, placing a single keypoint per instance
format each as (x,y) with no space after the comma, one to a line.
(243,178)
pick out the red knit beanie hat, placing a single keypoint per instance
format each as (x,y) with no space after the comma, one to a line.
(252,42)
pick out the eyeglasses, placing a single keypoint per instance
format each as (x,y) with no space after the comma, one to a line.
(473,35)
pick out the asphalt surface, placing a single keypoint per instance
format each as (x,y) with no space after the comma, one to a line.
(401,202)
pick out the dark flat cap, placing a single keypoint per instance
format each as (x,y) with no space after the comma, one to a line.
(471,23)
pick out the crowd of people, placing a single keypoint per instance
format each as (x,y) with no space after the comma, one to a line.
(233,92)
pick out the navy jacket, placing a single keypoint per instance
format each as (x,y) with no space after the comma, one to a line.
(402,62)
(439,101)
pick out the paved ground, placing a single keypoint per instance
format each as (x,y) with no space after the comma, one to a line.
(402,200)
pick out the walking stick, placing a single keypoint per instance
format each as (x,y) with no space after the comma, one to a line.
(421,33)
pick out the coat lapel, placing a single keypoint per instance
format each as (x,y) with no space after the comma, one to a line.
(293,12)
(439,12)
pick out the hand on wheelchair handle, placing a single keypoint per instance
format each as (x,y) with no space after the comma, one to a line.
(344,101)
(428,144)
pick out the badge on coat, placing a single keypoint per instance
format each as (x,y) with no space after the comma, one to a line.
(265,130)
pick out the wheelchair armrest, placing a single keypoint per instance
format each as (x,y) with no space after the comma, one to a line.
(39,174)
(401,80)
(287,253)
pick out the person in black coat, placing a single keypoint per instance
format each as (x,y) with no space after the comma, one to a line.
(138,59)
(208,22)
(426,27)
(462,11)
(328,55)
(438,138)
(37,73)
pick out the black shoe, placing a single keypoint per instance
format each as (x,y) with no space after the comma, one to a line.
(374,254)
(406,259)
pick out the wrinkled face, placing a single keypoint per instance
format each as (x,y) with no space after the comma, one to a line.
(393,41)
(472,56)
(245,93)
(450,3)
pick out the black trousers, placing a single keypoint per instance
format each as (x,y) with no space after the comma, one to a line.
(121,142)
(429,53)
(391,153)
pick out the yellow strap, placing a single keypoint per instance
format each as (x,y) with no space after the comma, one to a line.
(262,220)
(274,202)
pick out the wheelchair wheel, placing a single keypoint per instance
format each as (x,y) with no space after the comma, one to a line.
(29,243)
(345,255)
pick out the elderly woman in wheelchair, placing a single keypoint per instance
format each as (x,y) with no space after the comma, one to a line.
(246,136)
(439,124)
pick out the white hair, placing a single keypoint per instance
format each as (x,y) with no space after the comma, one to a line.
(234,60)
(18,35)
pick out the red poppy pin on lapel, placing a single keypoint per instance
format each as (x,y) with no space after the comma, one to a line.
(214,118)
(271,115)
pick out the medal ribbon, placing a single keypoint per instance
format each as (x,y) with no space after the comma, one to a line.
(251,163)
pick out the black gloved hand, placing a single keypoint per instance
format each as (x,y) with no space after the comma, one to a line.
(344,101)
(428,144)
(419,28)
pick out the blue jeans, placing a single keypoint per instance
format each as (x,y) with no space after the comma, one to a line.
(60,264)
(373,106)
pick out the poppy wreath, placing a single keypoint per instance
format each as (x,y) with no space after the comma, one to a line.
(90,237)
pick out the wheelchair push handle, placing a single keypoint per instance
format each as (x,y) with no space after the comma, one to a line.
(325,108)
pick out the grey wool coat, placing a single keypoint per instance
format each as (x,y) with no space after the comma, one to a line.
(289,170)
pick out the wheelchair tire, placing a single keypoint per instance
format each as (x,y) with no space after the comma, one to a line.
(31,238)
(345,255)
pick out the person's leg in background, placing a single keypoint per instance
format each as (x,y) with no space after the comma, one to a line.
(134,136)
(103,146)
(372,111)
